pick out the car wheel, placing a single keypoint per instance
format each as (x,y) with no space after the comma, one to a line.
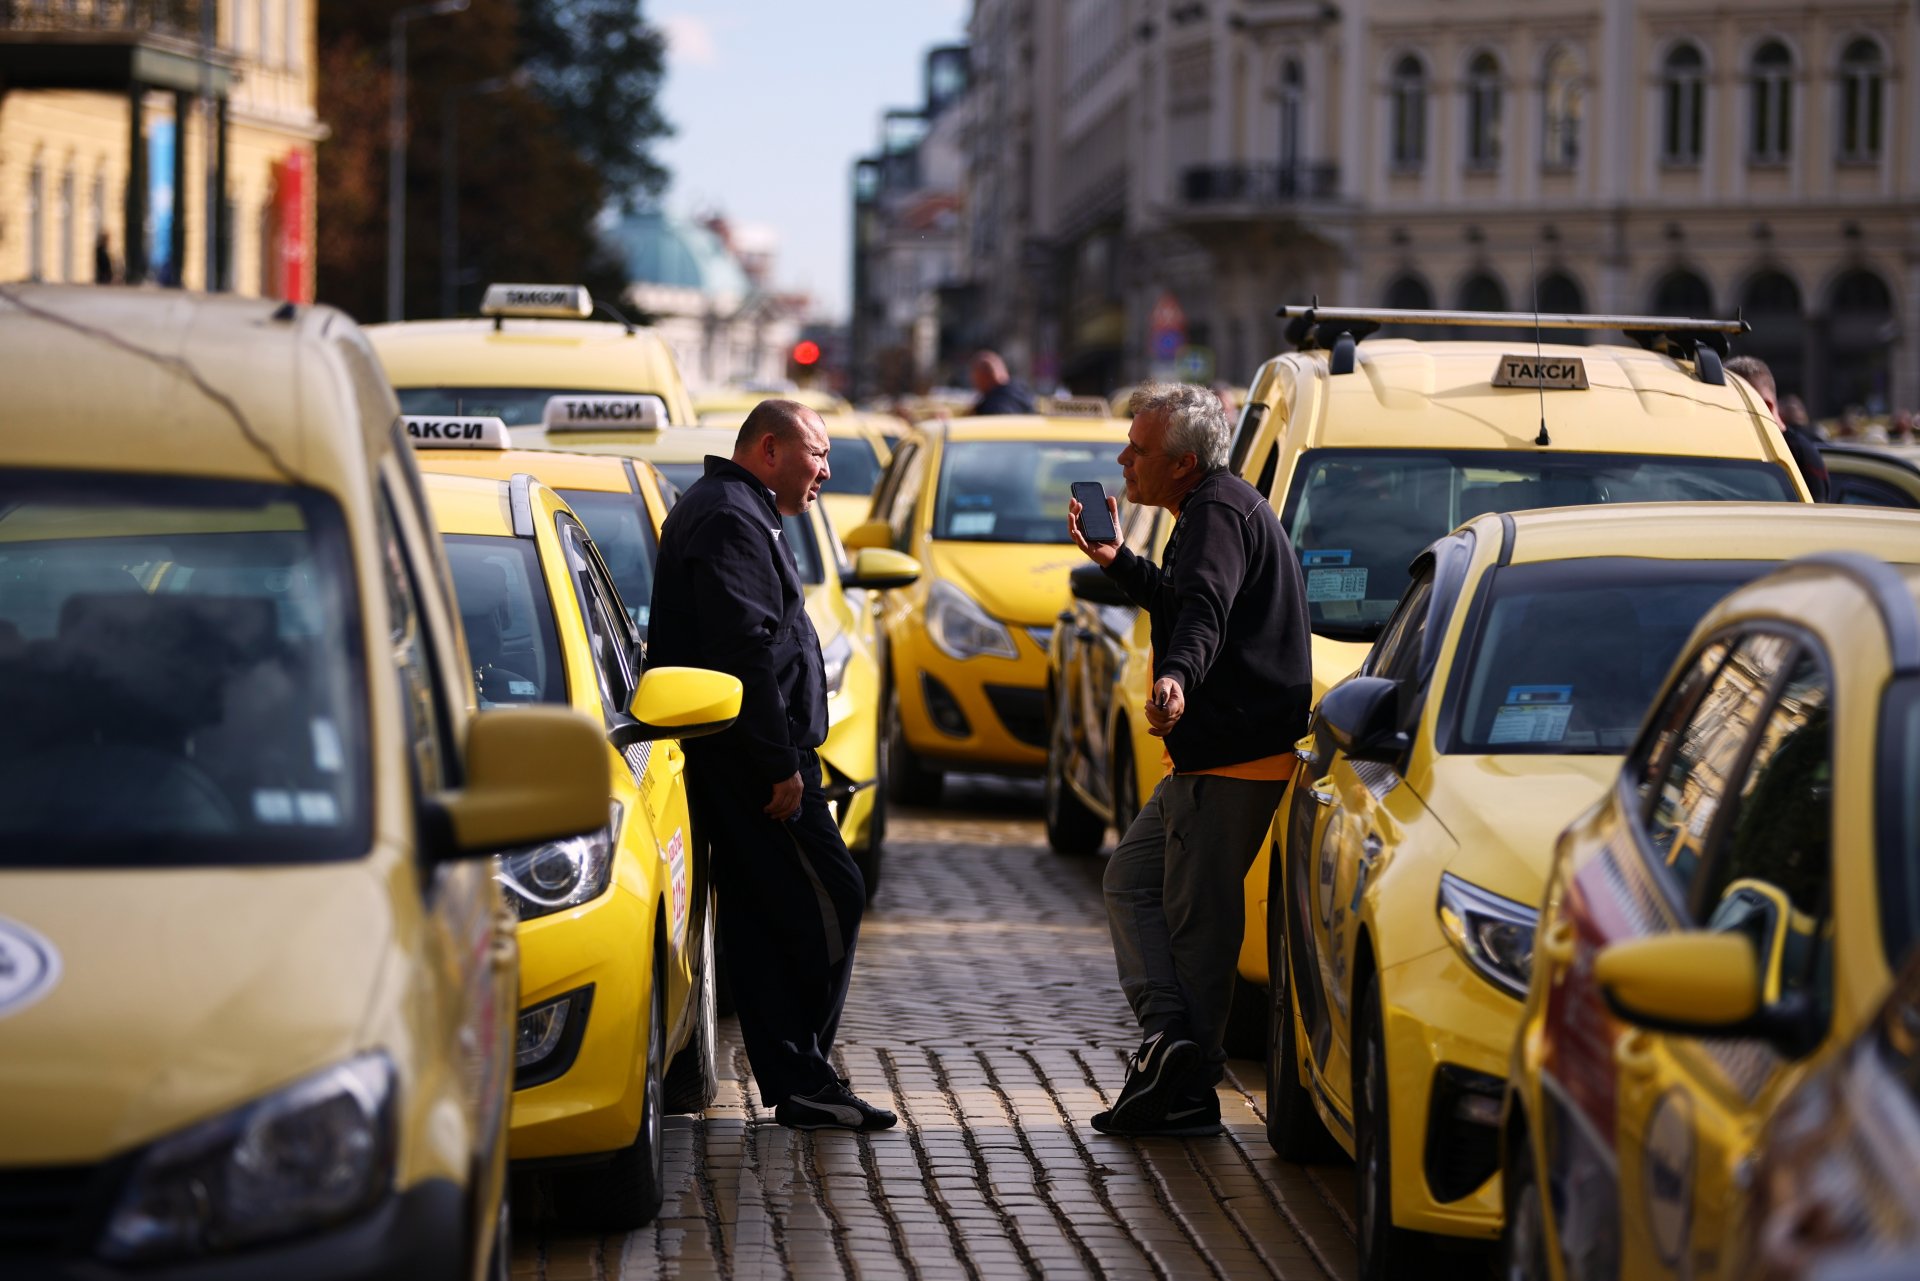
(1385,1251)
(693,1078)
(1072,828)
(908,781)
(1294,1129)
(1523,1242)
(625,1193)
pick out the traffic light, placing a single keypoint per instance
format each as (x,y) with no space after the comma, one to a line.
(806,353)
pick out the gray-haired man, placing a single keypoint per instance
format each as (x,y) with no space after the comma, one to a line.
(1232,687)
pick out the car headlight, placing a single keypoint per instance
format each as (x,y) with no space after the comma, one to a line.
(560,874)
(1494,934)
(316,1153)
(961,628)
(834,658)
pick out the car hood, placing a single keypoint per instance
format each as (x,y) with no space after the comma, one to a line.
(1014,582)
(1334,661)
(1506,813)
(174,995)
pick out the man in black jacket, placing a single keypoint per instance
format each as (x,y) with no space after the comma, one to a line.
(1231,690)
(726,595)
(1804,448)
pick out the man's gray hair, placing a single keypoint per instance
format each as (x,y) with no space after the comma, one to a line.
(1196,421)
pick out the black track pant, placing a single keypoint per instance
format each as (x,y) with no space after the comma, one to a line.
(790,900)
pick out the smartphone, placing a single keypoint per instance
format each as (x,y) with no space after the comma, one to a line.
(1096,522)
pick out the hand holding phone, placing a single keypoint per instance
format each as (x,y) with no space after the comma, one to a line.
(1096,521)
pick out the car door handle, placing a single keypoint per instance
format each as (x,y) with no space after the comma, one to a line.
(1556,943)
(1321,794)
(1633,1053)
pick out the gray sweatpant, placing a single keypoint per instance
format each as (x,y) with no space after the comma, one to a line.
(1174,900)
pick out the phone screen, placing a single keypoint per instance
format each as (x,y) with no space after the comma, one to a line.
(1096,523)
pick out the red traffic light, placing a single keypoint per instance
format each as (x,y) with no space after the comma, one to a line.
(806,352)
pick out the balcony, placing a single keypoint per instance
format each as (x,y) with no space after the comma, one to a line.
(111,45)
(1238,190)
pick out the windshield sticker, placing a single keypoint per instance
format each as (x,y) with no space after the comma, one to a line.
(317,809)
(328,757)
(1317,559)
(522,689)
(1336,584)
(1533,695)
(973,500)
(273,805)
(966,523)
(1535,722)
(29,967)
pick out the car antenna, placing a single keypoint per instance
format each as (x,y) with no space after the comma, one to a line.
(1539,361)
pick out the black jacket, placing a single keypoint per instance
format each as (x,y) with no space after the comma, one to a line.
(1813,468)
(1007,398)
(726,596)
(1229,619)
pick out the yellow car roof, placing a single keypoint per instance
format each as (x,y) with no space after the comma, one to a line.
(739,400)
(142,380)
(469,504)
(1033,427)
(572,355)
(551,467)
(1706,531)
(1404,393)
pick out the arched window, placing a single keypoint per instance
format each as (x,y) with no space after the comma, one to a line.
(1407,292)
(1770,83)
(1409,114)
(1683,87)
(1863,79)
(1682,293)
(1483,112)
(1292,99)
(1770,303)
(1565,103)
(1859,342)
(1559,294)
(1482,292)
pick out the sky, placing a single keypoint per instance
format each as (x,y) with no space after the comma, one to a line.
(771,100)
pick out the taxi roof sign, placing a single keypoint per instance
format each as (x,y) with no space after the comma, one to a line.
(446,431)
(1079,407)
(557,302)
(644,412)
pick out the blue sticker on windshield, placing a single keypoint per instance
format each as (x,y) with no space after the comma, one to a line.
(973,500)
(1533,714)
(1312,559)
(1534,695)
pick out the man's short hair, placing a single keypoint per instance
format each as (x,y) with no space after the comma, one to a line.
(1755,371)
(780,419)
(1196,421)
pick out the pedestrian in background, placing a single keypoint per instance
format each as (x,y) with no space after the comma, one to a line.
(1231,691)
(102,261)
(999,394)
(727,595)
(1804,448)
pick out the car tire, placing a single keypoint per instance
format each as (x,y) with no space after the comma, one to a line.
(626,1193)
(908,781)
(1294,1128)
(1072,828)
(1523,1240)
(1385,1251)
(693,1078)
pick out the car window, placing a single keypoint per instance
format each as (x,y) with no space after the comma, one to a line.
(797,533)
(514,406)
(901,491)
(1015,491)
(1698,770)
(606,636)
(509,624)
(1866,491)
(854,466)
(1770,876)
(413,660)
(623,531)
(1396,655)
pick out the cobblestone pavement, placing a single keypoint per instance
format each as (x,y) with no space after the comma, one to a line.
(985,1011)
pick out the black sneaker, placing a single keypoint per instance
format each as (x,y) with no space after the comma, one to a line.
(1188,1116)
(832,1107)
(1157,1073)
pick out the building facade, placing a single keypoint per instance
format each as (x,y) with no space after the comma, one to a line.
(205,89)
(1201,162)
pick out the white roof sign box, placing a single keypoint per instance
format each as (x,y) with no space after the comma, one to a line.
(641,412)
(431,431)
(1079,407)
(557,302)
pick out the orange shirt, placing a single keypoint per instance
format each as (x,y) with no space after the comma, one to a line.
(1268,769)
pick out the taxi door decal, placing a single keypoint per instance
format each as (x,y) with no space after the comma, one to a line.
(681,897)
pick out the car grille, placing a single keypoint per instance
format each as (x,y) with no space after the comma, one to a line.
(1022,711)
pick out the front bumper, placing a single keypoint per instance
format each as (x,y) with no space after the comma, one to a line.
(974,713)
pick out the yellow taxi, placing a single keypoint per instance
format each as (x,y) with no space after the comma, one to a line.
(1872,475)
(1508,683)
(1370,450)
(607,947)
(256,979)
(1721,924)
(729,406)
(837,602)
(530,343)
(981,503)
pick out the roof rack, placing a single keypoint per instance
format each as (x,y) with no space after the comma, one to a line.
(1704,342)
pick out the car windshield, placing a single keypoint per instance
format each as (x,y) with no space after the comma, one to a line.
(622,528)
(1015,491)
(182,668)
(1563,657)
(514,406)
(1358,517)
(855,467)
(798,530)
(681,475)
(509,626)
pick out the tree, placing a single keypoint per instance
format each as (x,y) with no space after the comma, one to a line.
(598,65)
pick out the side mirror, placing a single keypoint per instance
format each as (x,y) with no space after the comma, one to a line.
(1090,583)
(1696,982)
(872,533)
(881,568)
(533,774)
(1362,716)
(678,702)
